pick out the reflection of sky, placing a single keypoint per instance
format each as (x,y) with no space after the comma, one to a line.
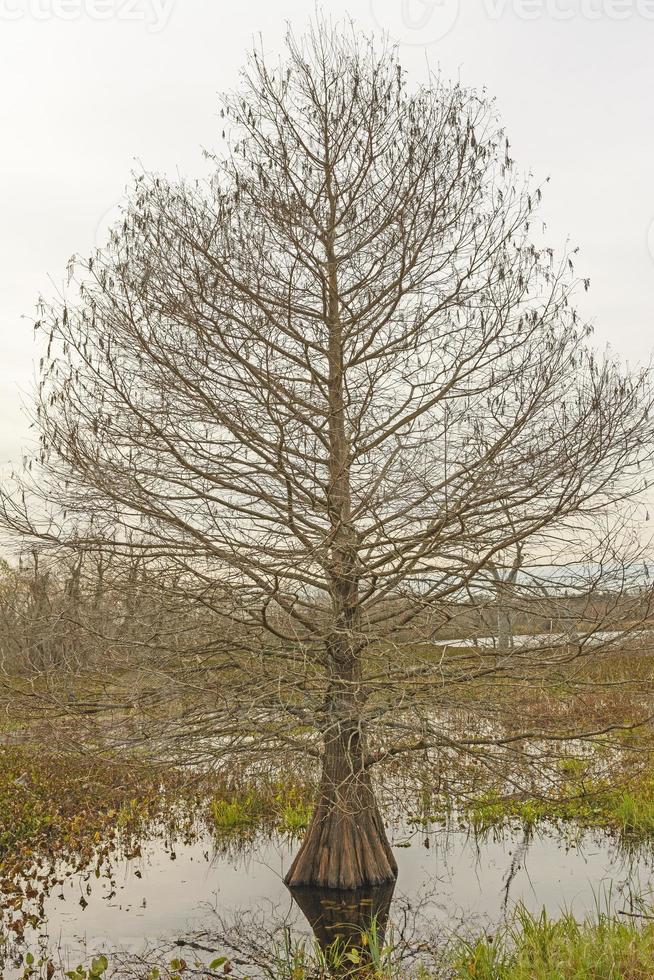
(456,880)
(83,98)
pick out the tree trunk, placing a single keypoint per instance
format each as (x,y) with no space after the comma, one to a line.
(345,846)
(505,641)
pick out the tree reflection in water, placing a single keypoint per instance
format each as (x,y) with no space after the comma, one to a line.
(343,920)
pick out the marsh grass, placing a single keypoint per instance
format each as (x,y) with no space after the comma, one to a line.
(528,947)
(537,947)
(49,803)
(628,811)
(237,813)
(284,807)
(635,812)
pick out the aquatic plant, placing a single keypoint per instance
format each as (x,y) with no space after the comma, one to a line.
(286,808)
(537,947)
(529,947)
(238,812)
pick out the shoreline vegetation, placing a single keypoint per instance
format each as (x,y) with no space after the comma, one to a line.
(90,807)
(54,799)
(84,809)
(528,947)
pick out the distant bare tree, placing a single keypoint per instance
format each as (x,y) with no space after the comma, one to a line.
(56,611)
(328,388)
(505,580)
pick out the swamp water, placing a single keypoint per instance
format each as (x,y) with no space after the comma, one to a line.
(196,898)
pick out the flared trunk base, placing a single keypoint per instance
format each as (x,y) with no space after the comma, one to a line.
(344,849)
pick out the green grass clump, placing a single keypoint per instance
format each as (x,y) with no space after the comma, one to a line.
(627,810)
(541,948)
(275,806)
(635,813)
(294,816)
(238,812)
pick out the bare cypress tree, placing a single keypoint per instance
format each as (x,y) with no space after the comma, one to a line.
(330,386)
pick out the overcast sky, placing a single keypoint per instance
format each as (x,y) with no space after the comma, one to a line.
(89,87)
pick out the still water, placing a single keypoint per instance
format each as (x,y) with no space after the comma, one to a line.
(194,892)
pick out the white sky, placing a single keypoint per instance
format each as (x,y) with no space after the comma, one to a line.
(90,86)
